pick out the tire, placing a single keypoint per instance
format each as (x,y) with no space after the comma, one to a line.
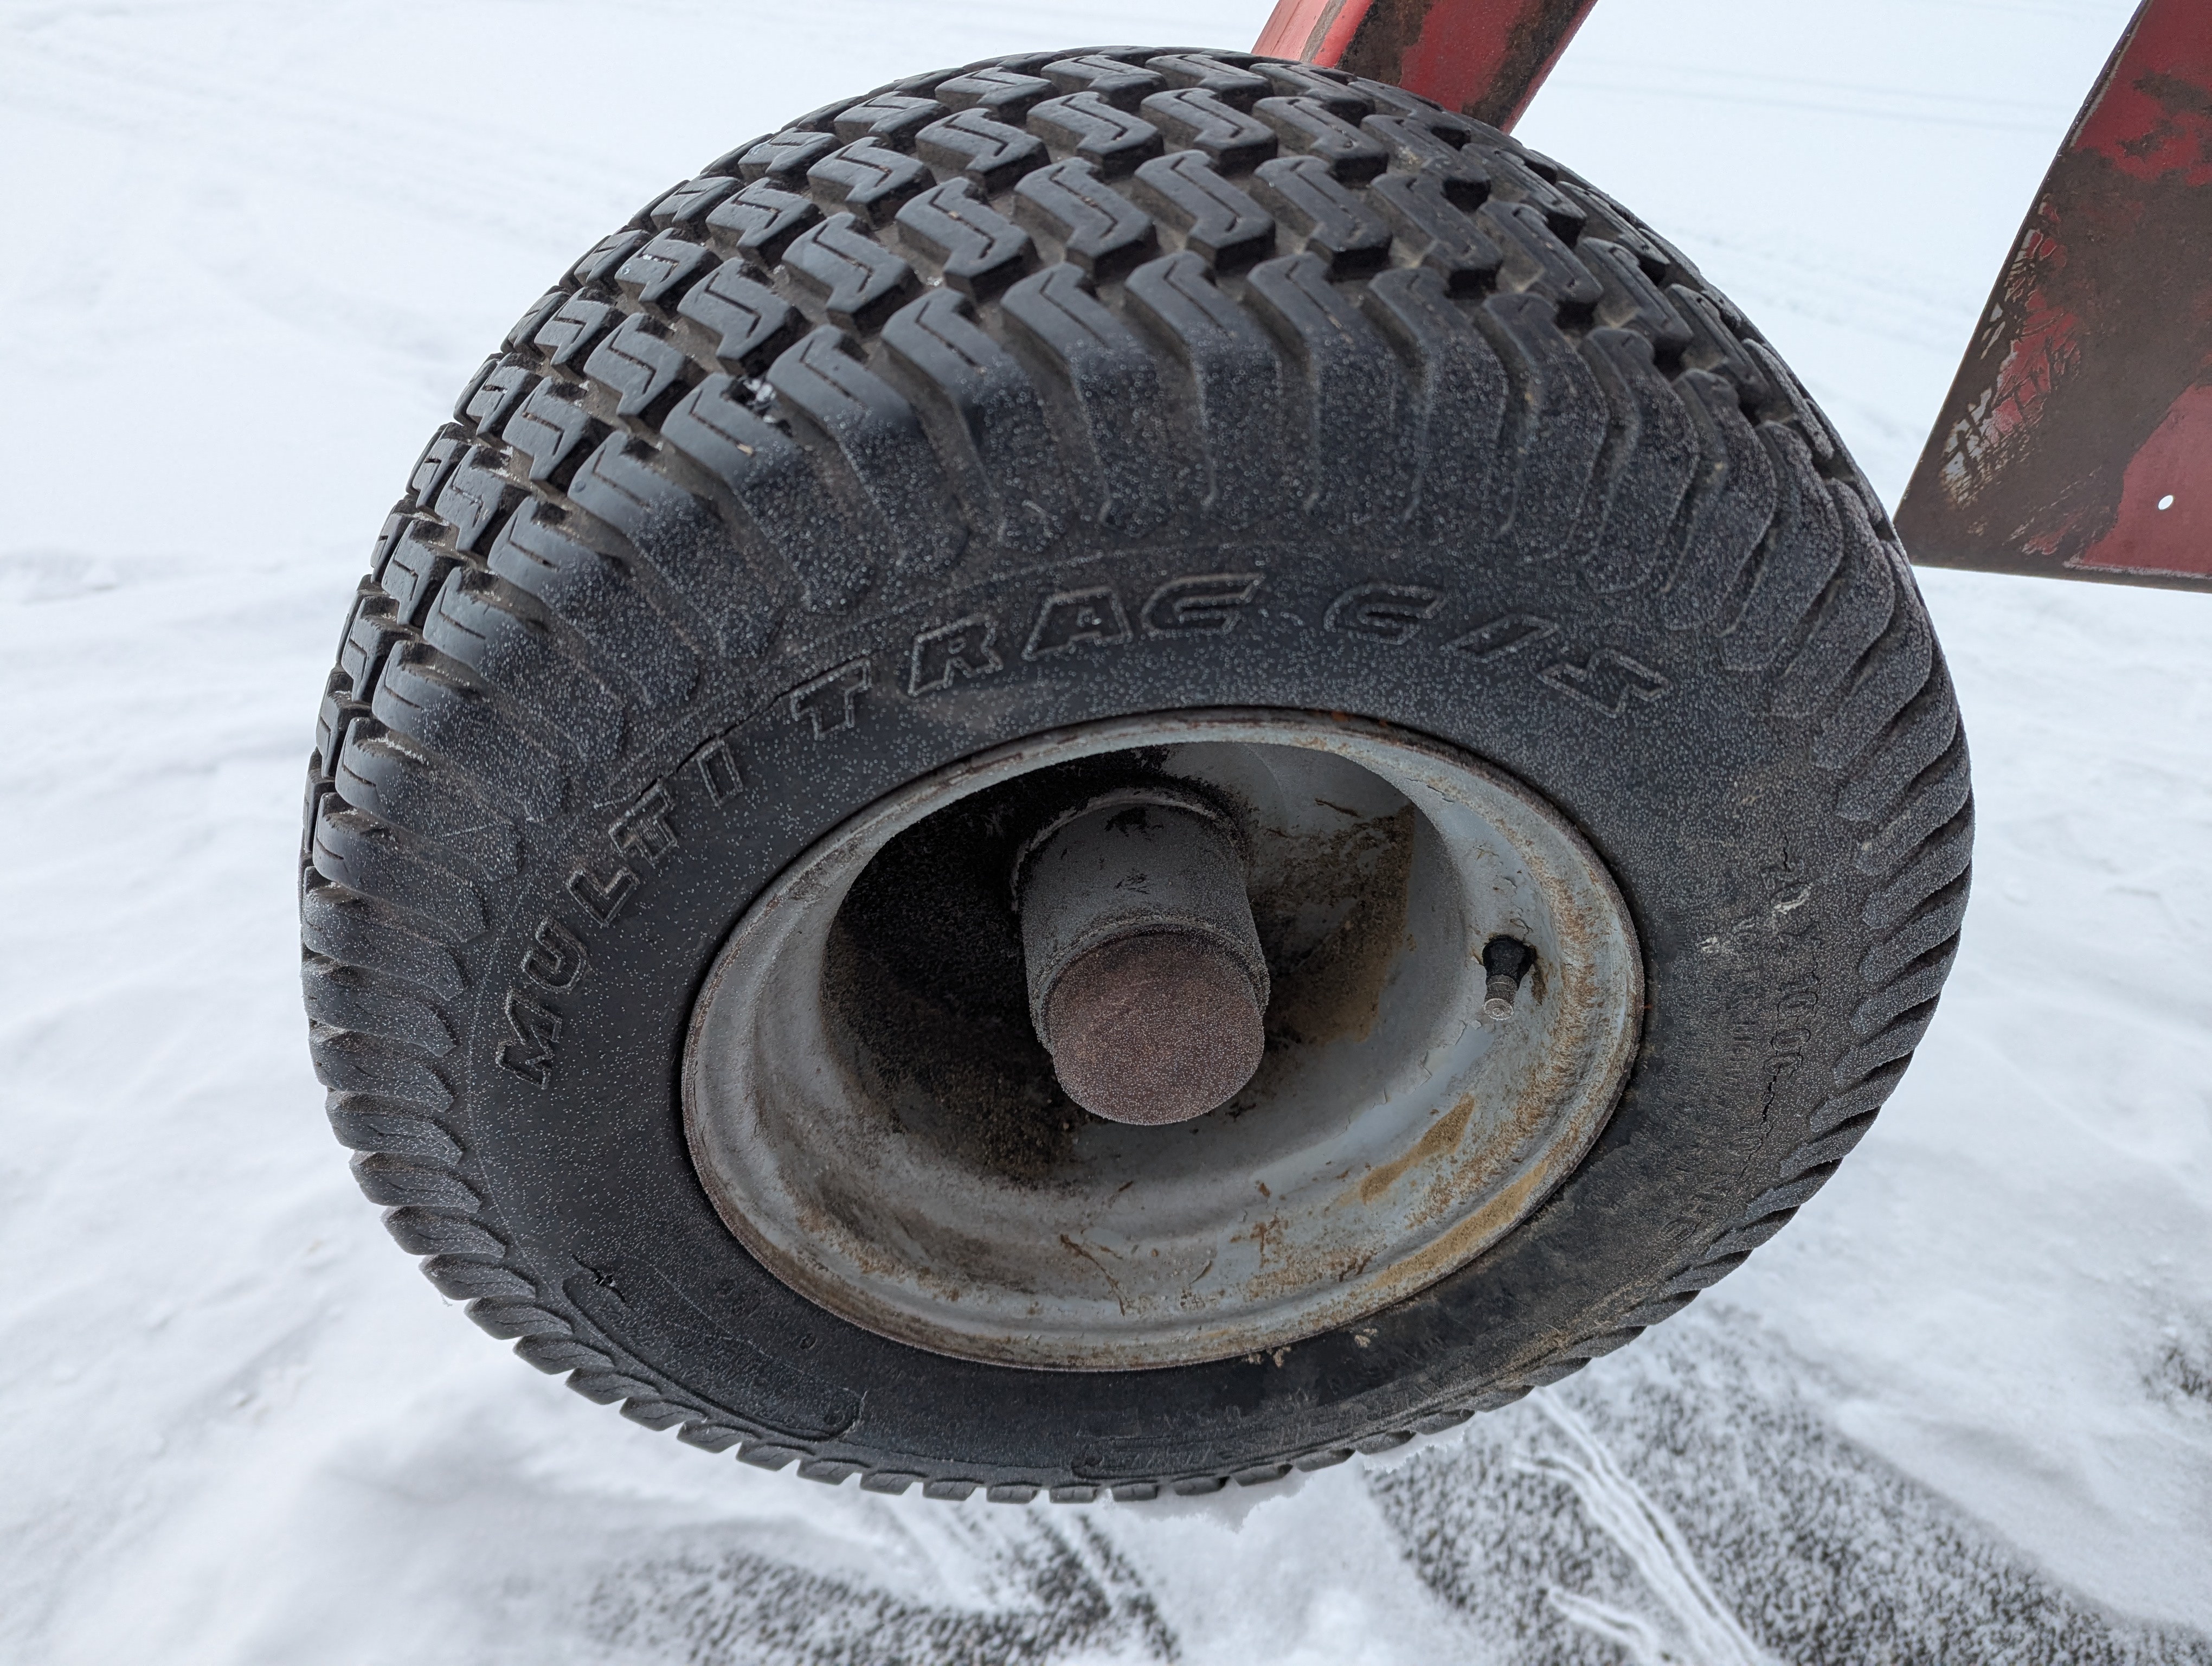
(670,599)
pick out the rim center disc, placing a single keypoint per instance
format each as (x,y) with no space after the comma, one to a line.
(870,1129)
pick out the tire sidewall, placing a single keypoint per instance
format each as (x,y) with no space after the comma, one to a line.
(1725,842)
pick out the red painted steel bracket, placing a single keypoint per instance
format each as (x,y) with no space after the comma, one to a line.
(1484,58)
(2077,440)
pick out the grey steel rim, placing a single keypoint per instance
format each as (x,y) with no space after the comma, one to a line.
(1358,1167)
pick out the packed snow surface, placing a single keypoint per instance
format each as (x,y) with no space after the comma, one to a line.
(1960,1411)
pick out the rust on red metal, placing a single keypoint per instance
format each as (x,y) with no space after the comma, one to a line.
(2076,441)
(1484,58)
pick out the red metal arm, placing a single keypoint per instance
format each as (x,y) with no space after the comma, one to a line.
(2077,440)
(1484,58)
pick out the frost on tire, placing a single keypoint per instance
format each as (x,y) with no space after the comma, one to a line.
(1201,405)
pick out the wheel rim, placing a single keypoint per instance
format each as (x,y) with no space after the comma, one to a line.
(1393,1133)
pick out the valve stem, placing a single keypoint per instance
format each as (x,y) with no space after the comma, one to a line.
(1506,960)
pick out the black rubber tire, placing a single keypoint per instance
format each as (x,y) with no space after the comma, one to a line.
(760,515)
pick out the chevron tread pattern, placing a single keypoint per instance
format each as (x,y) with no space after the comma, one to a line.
(969,314)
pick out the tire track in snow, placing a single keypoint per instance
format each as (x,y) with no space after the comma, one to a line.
(1654,1546)
(1051,1590)
(1705,1475)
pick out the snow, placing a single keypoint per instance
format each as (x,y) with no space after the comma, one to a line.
(1960,1410)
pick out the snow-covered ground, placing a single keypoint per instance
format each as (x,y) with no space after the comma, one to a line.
(1962,1411)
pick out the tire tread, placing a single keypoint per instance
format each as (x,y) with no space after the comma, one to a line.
(969,313)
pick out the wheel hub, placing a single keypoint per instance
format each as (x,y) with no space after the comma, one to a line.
(1147,982)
